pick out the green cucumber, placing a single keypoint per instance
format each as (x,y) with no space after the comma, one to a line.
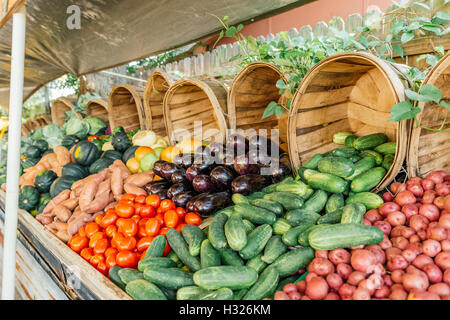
(156,248)
(209,256)
(354,158)
(230,257)
(274,248)
(268,205)
(228,211)
(331,217)
(335,201)
(370,141)
(386,148)
(265,286)
(301,216)
(312,163)
(144,290)
(303,237)
(171,294)
(285,281)
(388,160)
(290,238)
(298,188)
(129,274)
(353,213)
(160,262)
(288,200)
(368,180)
(239,294)
(257,263)
(249,227)
(255,214)
(180,247)
(239,198)
(341,167)
(316,202)
(216,234)
(281,226)
(370,153)
(114,276)
(362,166)
(173,256)
(257,240)
(256,195)
(344,236)
(220,294)
(293,260)
(194,237)
(232,277)
(344,152)
(339,137)
(370,200)
(350,140)
(189,292)
(172,278)
(236,232)
(327,182)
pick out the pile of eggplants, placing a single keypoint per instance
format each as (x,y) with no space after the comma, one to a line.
(204,181)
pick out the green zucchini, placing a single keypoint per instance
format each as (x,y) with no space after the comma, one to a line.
(281,226)
(268,205)
(327,182)
(386,148)
(316,202)
(144,290)
(216,234)
(290,238)
(265,286)
(362,166)
(274,248)
(230,257)
(338,166)
(353,213)
(370,200)
(232,277)
(370,141)
(256,242)
(209,256)
(194,237)
(368,180)
(301,216)
(344,236)
(255,214)
(335,201)
(293,260)
(257,263)
(172,278)
(180,247)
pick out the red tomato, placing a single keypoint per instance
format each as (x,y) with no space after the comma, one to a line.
(136,218)
(87,253)
(147,211)
(166,249)
(111,261)
(152,227)
(82,231)
(179,227)
(126,259)
(110,231)
(97,236)
(124,211)
(91,228)
(163,231)
(78,243)
(167,205)
(128,227)
(141,232)
(159,210)
(109,218)
(91,138)
(111,251)
(144,243)
(125,202)
(100,246)
(181,213)
(153,199)
(96,259)
(128,196)
(101,266)
(140,199)
(98,218)
(171,219)
(160,217)
(122,242)
(142,222)
(192,218)
(137,208)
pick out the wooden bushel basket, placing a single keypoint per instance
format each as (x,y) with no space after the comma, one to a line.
(250,93)
(98,108)
(157,85)
(430,150)
(346,92)
(60,106)
(126,108)
(189,101)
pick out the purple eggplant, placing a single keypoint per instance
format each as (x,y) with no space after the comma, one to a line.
(192,172)
(208,203)
(203,183)
(182,199)
(179,176)
(237,144)
(249,183)
(166,169)
(222,177)
(176,189)
(162,194)
(190,204)
(155,187)
(242,165)
(184,160)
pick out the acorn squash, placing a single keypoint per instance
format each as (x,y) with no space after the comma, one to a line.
(74,170)
(61,184)
(28,198)
(121,141)
(44,180)
(85,153)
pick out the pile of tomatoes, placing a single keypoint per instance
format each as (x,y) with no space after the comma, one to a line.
(121,236)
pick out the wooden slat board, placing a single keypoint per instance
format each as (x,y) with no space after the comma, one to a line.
(98,108)
(79,278)
(346,92)
(60,106)
(126,108)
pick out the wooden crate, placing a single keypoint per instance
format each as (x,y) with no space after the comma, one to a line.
(126,108)
(60,106)
(430,150)
(346,92)
(98,108)
(190,101)
(157,85)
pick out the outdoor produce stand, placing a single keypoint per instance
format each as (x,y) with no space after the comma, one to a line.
(120,204)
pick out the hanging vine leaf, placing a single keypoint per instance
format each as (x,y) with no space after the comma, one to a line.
(403,110)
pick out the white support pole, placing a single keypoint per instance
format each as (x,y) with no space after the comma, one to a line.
(13,164)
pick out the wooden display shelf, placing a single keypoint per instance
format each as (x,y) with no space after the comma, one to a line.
(74,276)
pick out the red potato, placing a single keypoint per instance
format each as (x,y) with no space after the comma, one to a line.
(280,295)
(445,245)
(344,270)
(418,222)
(294,295)
(397,276)
(427,184)
(400,242)
(405,197)
(433,272)
(436,177)
(317,288)
(397,231)
(410,210)
(387,196)
(383,292)
(366,222)
(373,215)
(388,207)
(346,291)
(363,260)
(309,276)
(422,235)
(415,247)
(379,254)
(416,189)
(442,189)
(422,260)
(387,279)
(417,295)
(384,226)
(392,252)
(429,211)
(407,232)
(447,203)
(444,221)
(369,286)
(446,276)
(334,281)
(361,294)
(379,269)
(301,286)
(397,262)
(290,287)
(414,239)
(398,294)
(332,296)
(385,243)
(396,218)
(376,280)
(321,266)
(409,255)
(431,247)
(337,256)
(415,281)
(413,180)
(428,196)
(397,187)
(356,277)
(443,260)
(440,289)
(439,202)
(321,254)
(436,233)
(305,298)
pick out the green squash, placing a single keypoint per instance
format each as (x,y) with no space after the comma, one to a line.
(28,198)
(32,152)
(47,152)
(74,170)
(43,201)
(112,154)
(29,162)
(69,141)
(41,144)
(129,153)
(100,164)
(44,180)
(121,141)
(85,153)
(61,184)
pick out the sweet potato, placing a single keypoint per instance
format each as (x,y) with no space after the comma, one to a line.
(122,167)
(101,199)
(70,203)
(61,213)
(63,195)
(134,189)
(116,183)
(90,189)
(62,155)
(45,218)
(140,179)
